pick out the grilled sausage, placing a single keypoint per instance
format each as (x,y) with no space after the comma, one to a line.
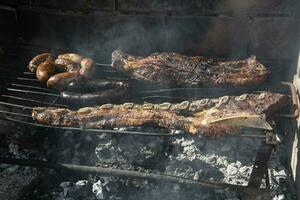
(60,62)
(45,71)
(95,98)
(61,80)
(96,85)
(39,59)
(86,67)
(71,57)
(67,65)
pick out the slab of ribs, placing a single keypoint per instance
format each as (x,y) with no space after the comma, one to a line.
(174,69)
(210,117)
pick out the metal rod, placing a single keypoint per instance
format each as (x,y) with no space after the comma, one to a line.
(16,114)
(32,87)
(35,101)
(28,73)
(122,173)
(27,79)
(260,165)
(177,89)
(93,130)
(117,78)
(253,136)
(161,96)
(32,92)
(15,105)
(111,71)
(103,65)
(294,101)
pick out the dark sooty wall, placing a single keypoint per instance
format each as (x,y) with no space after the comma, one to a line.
(223,28)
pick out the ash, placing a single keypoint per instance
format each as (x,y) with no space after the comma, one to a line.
(227,159)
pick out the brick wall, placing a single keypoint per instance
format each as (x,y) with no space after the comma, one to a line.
(223,28)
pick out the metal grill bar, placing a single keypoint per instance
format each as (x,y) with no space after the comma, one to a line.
(165,97)
(35,101)
(91,130)
(32,92)
(27,79)
(16,114)
(15,105)
(31,87)
(103,65)
(178,89)
(28,73)
(260,166)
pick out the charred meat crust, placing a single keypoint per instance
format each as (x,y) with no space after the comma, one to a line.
(178,70)
(39,59)
(166,115)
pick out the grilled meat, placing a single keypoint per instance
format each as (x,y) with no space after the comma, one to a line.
(61,80)
(76,68)
(72,57)
(45,70)
(59,72)
(66,65)
(178,70)
(86,69)
(39,59)
(95,92)
(212,117)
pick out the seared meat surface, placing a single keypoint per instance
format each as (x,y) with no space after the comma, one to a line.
(178,70)
(211,117)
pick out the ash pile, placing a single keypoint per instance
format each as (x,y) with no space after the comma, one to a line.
(227,159)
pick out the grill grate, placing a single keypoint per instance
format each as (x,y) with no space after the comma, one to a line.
(25,91)
(28,92)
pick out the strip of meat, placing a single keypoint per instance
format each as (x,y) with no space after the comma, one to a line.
(227,118)
(178,70)
(262,103)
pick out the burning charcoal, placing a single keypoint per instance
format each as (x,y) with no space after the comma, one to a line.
(245,171)
(66,187)
(232,170)
(196,176)
(81,183)
(98,190)
(279,197)
(14,149)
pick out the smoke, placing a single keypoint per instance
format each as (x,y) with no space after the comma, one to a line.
(140,35)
